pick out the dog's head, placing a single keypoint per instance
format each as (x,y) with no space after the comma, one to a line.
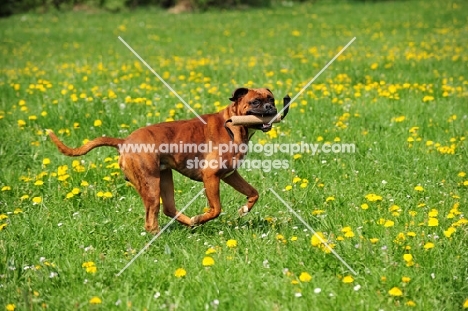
(258,102)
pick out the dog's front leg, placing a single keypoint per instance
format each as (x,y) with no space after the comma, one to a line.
(211,184)
(236,181)
(167,196)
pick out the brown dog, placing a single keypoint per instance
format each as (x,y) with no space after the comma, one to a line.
(151,171)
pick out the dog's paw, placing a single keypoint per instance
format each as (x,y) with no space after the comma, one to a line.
(152,229)
(244,210)
(194,221)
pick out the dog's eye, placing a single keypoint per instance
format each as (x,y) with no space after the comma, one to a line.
(255,102)
(272,100)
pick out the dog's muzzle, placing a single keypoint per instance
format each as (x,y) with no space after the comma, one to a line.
(267,111)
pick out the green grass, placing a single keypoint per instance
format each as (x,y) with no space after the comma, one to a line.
(406,69)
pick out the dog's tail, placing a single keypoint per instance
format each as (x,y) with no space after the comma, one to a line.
(74,152)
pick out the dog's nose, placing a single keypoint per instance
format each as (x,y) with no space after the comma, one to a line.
(268,106)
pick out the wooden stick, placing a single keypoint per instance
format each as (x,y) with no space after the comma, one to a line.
(252,120)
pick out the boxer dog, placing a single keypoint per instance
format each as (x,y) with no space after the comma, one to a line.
(151,172)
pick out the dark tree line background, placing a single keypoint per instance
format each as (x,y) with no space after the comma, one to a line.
(9,7)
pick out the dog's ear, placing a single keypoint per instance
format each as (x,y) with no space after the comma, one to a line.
(238,93)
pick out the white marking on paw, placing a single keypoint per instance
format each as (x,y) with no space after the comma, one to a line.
(243,210)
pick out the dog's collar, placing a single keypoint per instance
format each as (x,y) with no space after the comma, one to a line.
(230,133)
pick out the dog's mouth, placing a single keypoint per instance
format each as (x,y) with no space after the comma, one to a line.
(266,126)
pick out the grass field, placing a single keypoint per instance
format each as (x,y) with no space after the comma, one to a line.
(393,210)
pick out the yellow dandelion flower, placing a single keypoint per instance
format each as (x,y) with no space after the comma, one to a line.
(296,180)
(180,273)
(373,240)
(429,245)
(87,264)
(405,279)
(395,291)
(348,279)
(95,300)
(10,307)
(37,200)
(305,277)
(428,98)
(317,239)
(371,197)
(231,243)
(288,187)
(318,212)
(97,123)
(419,188)
(208,261)
(408,257)
(448,233)
(410,303)
(330,199)
(433,222)
(210,250)
(389,223)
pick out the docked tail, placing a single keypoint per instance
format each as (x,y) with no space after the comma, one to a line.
(74,152)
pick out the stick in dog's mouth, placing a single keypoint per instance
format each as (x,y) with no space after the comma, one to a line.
(261,120)
(254,120)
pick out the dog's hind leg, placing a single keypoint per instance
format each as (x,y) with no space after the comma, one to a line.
(211,184)
(150,193)
(167,196)
(145,177)
(236,181)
